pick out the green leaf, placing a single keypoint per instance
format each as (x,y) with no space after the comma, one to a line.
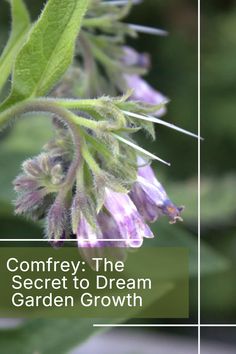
(48,51)
(20,26)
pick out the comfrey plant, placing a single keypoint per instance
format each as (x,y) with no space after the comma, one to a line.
(92,181)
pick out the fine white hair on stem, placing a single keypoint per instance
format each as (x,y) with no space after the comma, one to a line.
(148,30)
(161,122)
(138,148)
(121,2)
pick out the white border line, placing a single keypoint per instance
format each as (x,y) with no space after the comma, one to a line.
(199,177)
(143,325)
(64,240)
(198,325)
(120,240)
(164,325)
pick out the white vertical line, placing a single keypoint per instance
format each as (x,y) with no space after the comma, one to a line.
(199,177)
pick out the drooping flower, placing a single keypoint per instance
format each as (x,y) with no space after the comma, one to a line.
(132,58)
(150,197)
(110,231)
(89,240)
(87,235)
(131,226)
(142,91)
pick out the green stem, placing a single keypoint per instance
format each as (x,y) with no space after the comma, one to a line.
(74,166)
(102,21)
(89,159)
(80,174)
(80,104)
(88,55)
(46,106)
(110,63)
(103,58)
(100,147)
(91,106)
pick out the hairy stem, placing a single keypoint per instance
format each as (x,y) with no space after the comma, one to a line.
(45,106)
(90,160)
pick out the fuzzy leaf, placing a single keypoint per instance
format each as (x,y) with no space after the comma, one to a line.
(20,26)
(48,51)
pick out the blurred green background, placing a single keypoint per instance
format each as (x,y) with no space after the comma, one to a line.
(219,128)
(174,72)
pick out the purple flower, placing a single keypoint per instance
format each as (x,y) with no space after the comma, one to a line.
(89,240)
(142,91)
(110,231)
(132,58)
(129,222)
(87,235)
(150,197)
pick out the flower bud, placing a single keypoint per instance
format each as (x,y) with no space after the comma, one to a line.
(82,204)
(25,183)
(31,167)
(45,163)
(57,222)
(29,201)
(132,58)
(56,174)
(75,214)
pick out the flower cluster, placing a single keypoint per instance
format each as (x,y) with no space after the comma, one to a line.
(72,211)
(93,183)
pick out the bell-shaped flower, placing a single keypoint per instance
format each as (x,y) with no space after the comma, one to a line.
(143,92)
(150,197)
(130,224)
(88,235)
